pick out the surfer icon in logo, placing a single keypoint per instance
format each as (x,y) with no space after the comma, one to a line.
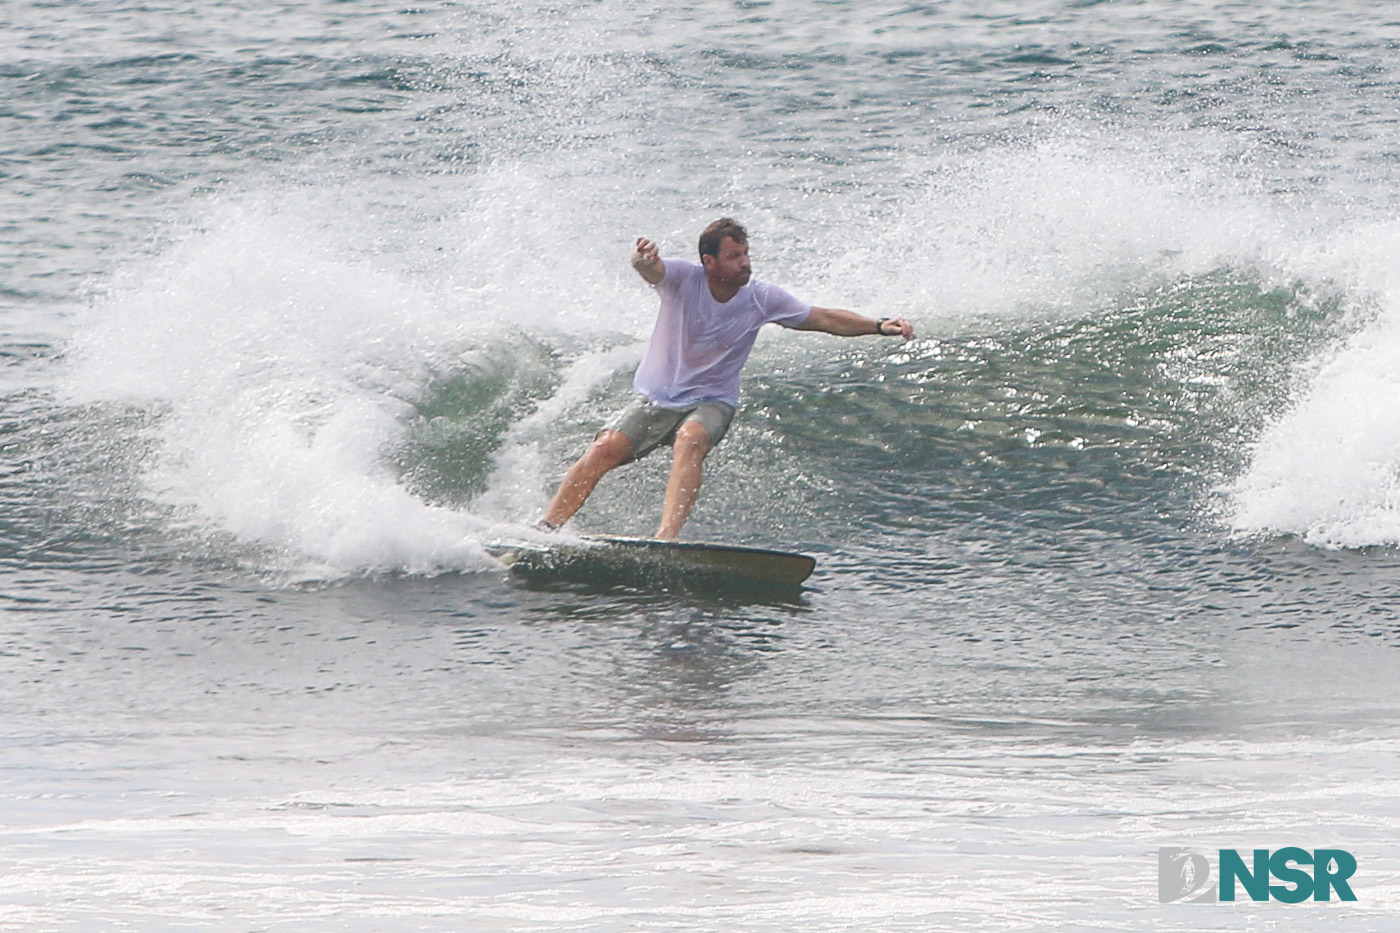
(688,381)
(1183,875)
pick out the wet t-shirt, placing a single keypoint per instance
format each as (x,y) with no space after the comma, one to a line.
(699,345)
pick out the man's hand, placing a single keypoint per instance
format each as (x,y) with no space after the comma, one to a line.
(895,327)
(648,262)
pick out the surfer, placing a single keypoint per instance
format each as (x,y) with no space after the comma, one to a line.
(688,381)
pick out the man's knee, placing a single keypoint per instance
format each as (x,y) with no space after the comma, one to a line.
(692,438)
(609,449)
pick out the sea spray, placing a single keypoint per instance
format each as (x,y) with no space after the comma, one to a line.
(1062,223)
(518,473)
(284,344)
(282,373)
(289,340)
(1328,468)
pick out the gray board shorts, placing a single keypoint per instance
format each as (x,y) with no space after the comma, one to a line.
(649,425)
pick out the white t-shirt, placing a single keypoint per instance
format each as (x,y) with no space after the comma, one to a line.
(698,345)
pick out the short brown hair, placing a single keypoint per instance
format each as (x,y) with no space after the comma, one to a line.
(715,233)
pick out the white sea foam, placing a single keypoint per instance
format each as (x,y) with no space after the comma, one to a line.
(1072,222)
(286,366)
(287,358)
(1328,469)
(1065,224)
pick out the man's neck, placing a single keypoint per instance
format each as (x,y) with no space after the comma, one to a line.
(720,290)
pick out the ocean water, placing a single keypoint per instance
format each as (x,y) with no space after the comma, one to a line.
(303,302)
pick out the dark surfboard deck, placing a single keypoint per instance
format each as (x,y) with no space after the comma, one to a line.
(653,561)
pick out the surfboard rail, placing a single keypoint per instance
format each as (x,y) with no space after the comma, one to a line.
(659,560)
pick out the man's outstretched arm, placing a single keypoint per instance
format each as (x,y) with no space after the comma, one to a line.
(849,324)
(648,262)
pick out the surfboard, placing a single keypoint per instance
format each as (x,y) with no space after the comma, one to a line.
(657,561)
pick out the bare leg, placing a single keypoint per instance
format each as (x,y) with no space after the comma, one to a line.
(609,450)
(691,445)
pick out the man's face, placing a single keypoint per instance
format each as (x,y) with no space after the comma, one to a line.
(731,266)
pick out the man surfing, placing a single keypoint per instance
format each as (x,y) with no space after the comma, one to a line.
(688,381)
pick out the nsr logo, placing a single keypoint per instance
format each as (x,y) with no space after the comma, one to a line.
(1184,875)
